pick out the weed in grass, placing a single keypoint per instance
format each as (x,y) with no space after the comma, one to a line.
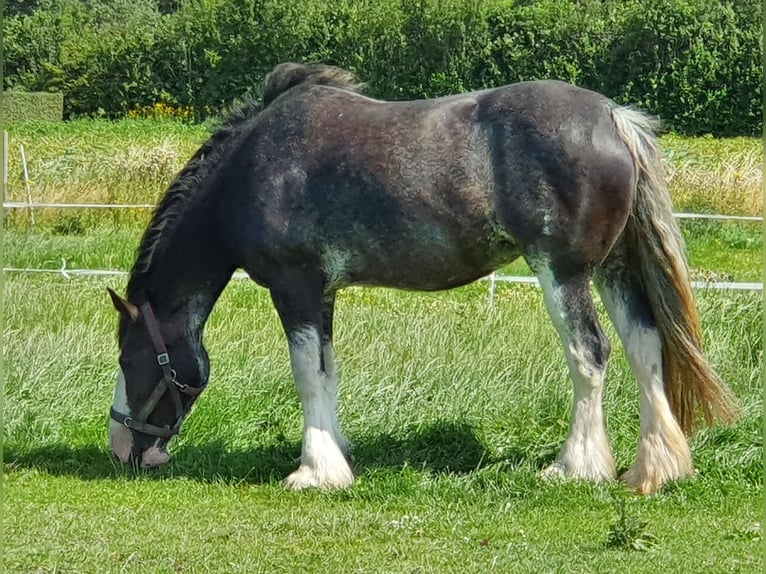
(628,532)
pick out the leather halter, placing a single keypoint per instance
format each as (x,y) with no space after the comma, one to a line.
(168,383)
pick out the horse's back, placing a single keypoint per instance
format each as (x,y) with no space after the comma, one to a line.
(424,194)
(389,194)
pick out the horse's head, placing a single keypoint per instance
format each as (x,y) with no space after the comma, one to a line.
(162,371)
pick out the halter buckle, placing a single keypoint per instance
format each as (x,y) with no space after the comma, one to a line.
(163,359)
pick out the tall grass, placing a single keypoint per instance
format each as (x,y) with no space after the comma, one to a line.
(96,161)
(411,363)
(715,175)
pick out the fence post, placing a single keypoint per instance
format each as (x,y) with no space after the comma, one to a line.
(26,183)
(5,172)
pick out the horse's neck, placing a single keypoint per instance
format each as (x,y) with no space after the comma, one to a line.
(187,279)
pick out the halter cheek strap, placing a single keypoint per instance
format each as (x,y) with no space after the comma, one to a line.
(168,383)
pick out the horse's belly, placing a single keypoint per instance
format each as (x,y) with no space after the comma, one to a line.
(416,267)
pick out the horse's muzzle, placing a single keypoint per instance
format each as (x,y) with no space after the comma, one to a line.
(129,449)
(155,456)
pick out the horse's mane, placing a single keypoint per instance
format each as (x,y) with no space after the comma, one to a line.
(288,75)
(182,191)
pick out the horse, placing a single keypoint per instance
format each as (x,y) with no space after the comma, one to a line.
(321,187)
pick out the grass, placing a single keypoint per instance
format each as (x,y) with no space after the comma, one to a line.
(453,407)
(715,175)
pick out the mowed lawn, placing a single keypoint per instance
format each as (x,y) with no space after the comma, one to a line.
(453,406)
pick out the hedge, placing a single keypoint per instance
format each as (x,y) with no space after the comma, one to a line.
(695,63)
(19,106)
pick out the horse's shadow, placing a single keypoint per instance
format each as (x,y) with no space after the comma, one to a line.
(439,448)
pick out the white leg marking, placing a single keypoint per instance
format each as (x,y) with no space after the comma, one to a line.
(586,453)
(331,390)
(663,452)
(323,463)
(120,438)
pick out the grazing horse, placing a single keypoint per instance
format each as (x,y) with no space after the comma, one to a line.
(321,188)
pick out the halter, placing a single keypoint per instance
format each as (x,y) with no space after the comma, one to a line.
(168,383)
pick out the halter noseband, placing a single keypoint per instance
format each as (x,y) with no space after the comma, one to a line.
(168,383)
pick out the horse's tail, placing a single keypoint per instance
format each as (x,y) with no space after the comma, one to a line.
(288,75)
(653,236)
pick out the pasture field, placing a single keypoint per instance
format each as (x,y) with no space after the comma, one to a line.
(453,407)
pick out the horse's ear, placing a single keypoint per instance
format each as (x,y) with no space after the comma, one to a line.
(126,309)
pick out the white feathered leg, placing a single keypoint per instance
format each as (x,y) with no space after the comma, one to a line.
(323,463)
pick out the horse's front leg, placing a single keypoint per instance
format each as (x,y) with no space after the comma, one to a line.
(330,369)
(301,306)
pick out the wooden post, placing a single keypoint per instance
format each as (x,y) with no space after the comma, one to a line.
(5,172)
(26,184)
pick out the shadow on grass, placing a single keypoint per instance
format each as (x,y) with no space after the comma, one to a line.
(440,448)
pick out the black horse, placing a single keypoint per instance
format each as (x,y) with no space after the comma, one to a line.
(323,188)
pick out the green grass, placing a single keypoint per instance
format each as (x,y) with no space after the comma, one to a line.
(453,407)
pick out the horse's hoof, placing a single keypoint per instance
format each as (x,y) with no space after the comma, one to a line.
(307,477)
(650,483)
(553,472)
(661,458)
(559,471)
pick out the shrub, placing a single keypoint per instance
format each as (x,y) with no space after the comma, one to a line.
(18,106)
(695,63)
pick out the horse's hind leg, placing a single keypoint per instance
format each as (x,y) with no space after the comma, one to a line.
(663,453)
(301,305)
(586,452)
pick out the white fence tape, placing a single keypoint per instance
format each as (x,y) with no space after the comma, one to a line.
(717,217)
(493,278)
(701,285)
(696,284)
